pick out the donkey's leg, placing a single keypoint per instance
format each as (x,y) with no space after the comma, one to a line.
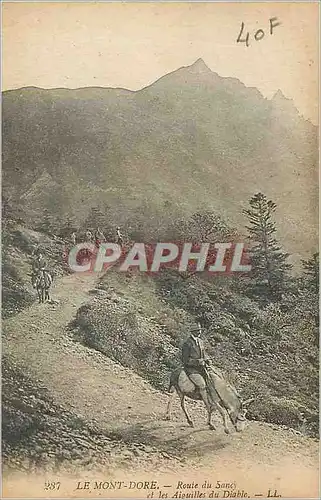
(224,415)
(209,408)
(199,382)
(209,416)
(39,295)
(169,404)
(185,411)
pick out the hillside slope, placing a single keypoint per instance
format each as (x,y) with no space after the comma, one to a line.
(191,140)
(120,404)
(141,322)
(18,245)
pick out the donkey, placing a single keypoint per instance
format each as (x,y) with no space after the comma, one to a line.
(222,396)
(42,282)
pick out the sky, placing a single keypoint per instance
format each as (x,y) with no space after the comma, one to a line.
(130,45)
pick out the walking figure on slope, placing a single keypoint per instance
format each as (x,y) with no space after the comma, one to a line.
(119,236)
(41,278)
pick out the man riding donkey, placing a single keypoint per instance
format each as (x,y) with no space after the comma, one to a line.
(195,362)
(41,278)
(198,379)
(38,263)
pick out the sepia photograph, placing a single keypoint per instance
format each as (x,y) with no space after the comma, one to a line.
(160,258)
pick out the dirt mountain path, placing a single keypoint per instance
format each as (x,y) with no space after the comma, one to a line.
(121,402)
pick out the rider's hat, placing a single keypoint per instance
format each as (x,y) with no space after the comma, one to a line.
(195,328)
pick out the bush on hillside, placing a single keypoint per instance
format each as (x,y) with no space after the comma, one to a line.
(266,352)
(123,333)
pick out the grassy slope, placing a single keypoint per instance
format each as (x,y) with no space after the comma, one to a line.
(137,322)
(80,410)
(141,321)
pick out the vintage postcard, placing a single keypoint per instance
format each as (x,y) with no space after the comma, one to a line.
(160,265)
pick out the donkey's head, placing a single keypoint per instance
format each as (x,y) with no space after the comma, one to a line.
(238,416)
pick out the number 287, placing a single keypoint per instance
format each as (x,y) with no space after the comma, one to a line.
(52,485)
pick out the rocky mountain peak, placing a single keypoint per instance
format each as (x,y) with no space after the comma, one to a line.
(199,66)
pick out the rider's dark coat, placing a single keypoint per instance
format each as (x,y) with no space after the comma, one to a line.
(38,263)
(193,351)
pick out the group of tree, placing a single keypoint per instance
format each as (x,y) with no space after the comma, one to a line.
(270,275)
(270,278)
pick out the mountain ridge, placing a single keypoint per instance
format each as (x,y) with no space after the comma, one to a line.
(198,65)
(192,140)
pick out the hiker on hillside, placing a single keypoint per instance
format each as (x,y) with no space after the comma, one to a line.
(99,237)
(73,238)
(119,236)
(89,236)
(195,360)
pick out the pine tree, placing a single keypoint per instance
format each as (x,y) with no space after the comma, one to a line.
(269,275)
(311,272)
